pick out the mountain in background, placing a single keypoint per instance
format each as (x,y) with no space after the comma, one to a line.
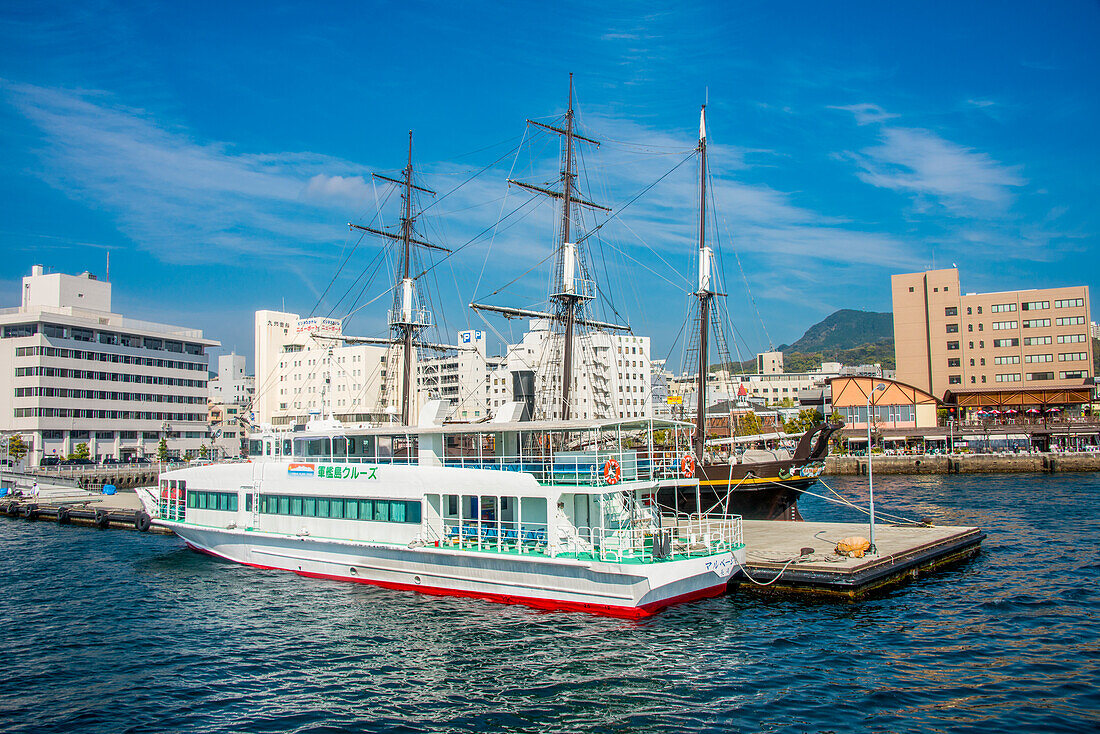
(845,329)
(846,336)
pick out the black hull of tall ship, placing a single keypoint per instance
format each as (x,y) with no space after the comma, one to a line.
(767,490)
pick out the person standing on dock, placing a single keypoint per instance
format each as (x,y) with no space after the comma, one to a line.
(34,491)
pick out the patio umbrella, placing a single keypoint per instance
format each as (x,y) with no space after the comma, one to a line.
(1034,410)
(994,412)
(1010,411)
(1053,410)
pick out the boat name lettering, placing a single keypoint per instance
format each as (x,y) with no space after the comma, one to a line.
(328,471)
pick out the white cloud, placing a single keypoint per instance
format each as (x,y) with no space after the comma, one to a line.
(865,113)
(182,199)
(921,162)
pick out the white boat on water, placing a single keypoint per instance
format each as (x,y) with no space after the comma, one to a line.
(556,515)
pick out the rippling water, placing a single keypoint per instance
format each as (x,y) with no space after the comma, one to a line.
(112,631)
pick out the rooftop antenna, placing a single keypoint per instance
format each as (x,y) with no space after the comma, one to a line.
(107,276)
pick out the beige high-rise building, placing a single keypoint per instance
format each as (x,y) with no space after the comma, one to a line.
(986,345)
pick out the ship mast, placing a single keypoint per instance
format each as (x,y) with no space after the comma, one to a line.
(406,318)
(570,289)
(704,294)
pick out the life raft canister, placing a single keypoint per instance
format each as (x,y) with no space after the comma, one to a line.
(687,466)
(612,472)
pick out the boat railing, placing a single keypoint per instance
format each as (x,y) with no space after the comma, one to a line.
(489,535)
(674,539)
(582,468)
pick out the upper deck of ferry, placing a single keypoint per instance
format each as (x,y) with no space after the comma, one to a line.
(578,452)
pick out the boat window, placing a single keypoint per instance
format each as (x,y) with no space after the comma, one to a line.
(286,446)
(385,447)
(488,508)
(309,508)
(318,447)
(382,510)
(397,512)
(295,505)
(255,447)
(284,505)
(267,447)
(452,506)
(351,509)
(361,447)
(339,447)
(336,508)
(322,506)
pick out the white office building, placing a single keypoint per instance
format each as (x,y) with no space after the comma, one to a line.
(461,378)
(231,386)
(611,374)
(83,374)
(304,366)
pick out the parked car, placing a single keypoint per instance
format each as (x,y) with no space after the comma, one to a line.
(110,460)
(77,462)
(51,461)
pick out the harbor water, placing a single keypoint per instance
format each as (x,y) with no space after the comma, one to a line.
(120,631)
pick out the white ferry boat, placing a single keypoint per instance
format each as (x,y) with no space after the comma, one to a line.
(555,515)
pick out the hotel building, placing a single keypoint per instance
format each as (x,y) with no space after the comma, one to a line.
(79,373)
(990,349)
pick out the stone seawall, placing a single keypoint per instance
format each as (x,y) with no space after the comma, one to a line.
(965,464)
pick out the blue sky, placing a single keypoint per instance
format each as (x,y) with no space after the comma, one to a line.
(217,151)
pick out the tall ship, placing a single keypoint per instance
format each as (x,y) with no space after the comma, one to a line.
(555,513)
(761,485)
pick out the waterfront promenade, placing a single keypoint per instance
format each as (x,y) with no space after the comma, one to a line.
(959,463)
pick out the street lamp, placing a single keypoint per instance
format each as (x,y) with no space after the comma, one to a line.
(870,468)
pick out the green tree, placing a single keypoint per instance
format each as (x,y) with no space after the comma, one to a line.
(836,417)
(749,425)
(203,451)
(804,421)
(80,451)
(17,448)
(162,450)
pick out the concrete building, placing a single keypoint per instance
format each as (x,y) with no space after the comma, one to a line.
(83,374)
(462,378)
(769,363)
(231,385)
(611,375)
(303,363)
(228,425)
(989,348)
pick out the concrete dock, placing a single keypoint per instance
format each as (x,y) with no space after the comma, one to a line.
(1004,463)
(75,506)
(905,552)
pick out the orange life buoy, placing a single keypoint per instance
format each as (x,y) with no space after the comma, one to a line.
(612,472)
(687,466)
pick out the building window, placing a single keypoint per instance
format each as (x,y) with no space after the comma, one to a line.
(972,379)
(951,311)
(1076,375)
(1040,376)
(952,345)
(1030,358)
(1006,342)
(1068,321)
(1070,303)
(1037,323)
(1001,325)
(955,362)
(1034,305)
(952,328)
(1010,377)
(954,379)
(1002,307)
(979,309)
(969,310)
(910,289)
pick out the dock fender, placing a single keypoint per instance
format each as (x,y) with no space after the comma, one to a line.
(63,517)
(30,512)
(102,519)
(142,521)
